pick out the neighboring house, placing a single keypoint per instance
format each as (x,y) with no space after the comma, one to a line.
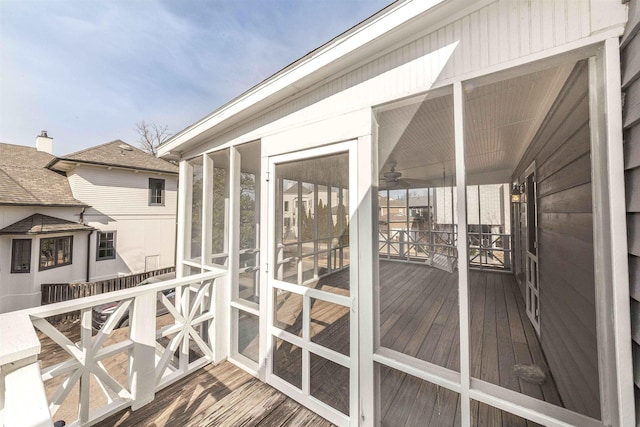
(131,197)
(519,92)
(42,239)
(99,213)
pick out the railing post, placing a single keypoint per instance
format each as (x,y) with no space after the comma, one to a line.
(22,397)
(143,331)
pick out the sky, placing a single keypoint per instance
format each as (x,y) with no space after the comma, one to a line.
(87,71)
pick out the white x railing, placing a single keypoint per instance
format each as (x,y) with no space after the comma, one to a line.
(169,335)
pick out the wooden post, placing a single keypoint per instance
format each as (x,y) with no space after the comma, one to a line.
(463,263)
(142,333)
(22,397)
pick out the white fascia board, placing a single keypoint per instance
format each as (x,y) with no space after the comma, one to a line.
(369,30)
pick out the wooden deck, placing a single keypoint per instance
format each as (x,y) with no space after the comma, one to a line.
(418,317)
(221,395)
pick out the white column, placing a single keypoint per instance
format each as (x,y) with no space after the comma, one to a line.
(463,259)
(367,280)
(143,335)
(184,219)
(207,208)
(610,238)
(234,246)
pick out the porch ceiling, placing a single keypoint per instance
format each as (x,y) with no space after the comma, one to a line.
(501,119)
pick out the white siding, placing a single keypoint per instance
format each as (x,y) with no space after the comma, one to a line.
(120,192)
(119,201)
(22,290)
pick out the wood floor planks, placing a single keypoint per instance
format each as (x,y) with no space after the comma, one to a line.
(221,395)
(423,314)
(419,316)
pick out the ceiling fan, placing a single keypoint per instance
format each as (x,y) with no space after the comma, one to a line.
(393,179)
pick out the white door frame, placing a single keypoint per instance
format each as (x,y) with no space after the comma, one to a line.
(532,282)
(303,395)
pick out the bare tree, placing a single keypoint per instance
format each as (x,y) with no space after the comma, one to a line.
(151,136)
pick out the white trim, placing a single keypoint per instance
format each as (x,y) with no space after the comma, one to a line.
(618,234)
(234,245)
(610,239)
(531,259)
(367,281)
(182,217)
(533,409)
(306,345)
(463,255)
(314,293)
(419,368)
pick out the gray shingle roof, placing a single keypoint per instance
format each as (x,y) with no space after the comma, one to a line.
(121,154)
(43,224)
(25,181)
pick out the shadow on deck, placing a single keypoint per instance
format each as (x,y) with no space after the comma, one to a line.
(221,395)
(418,318)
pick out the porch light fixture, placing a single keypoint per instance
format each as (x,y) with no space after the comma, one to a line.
(515,194)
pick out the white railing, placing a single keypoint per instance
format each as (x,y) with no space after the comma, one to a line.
(170,334)
(486,250)
(313,258)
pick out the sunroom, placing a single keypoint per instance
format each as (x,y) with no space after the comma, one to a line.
(419,223)
(420,236)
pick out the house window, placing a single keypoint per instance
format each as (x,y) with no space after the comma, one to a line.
(156,192)
(55,252)
(286,206)
(20,255)
(106,245)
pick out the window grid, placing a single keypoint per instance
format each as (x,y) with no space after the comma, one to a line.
(106,245)
(156,192)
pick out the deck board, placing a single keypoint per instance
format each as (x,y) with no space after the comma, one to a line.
(500,337)
(221,395)
(419,316)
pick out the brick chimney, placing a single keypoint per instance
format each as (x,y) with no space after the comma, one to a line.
(44,142)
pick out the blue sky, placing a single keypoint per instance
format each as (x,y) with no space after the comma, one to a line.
(88,71)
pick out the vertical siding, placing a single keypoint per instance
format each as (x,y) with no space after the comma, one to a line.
(630,56)
(561,151)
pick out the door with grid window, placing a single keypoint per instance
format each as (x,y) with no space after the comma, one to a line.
(312,337)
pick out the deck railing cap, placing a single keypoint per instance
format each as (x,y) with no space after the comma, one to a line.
(18,339)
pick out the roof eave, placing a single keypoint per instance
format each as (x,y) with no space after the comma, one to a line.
(53,163)
(47,205)
(350,41)
(37,233)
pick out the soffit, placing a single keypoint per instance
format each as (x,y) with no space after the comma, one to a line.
(500,121)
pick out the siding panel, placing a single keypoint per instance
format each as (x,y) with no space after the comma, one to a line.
(561,151)
(631,114)
(630,58)
(632,148)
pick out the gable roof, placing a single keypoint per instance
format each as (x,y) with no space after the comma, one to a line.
(43,224)
(24,180)
(115,154)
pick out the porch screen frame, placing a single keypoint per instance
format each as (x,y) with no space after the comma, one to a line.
(611,268)
(351,148)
